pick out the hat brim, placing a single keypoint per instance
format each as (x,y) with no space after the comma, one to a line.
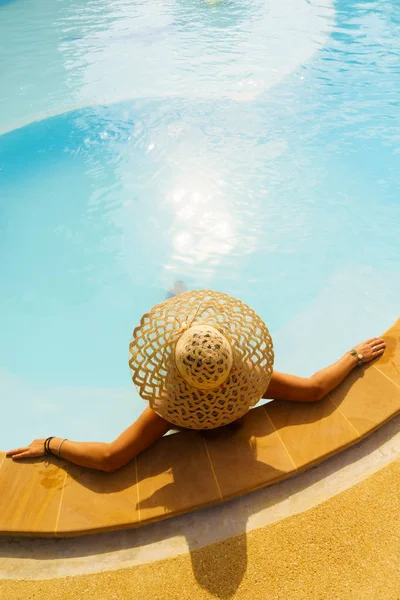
(158,380)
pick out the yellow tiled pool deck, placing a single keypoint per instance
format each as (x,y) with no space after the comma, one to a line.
(184,472)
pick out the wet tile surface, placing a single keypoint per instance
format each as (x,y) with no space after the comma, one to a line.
(30,496)
(94,501)
(250,457)
(367,398)
(175,475)
(311,430)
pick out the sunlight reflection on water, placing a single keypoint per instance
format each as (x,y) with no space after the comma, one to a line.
(256,151)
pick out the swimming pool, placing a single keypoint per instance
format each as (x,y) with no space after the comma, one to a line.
(250,147)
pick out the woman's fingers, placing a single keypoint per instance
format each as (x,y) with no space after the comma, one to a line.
(17,451)
(378,347)
(24,454)
(374,341)
(36,448)
(371,349)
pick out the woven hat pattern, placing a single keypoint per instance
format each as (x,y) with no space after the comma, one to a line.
(179,396)
(203,357)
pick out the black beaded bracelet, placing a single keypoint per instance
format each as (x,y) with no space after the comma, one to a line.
(47,450)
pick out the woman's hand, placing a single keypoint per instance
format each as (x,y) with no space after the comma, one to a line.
(371,349)
(36,448)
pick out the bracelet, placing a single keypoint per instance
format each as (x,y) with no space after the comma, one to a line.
(47,450)
(59,447)
(358,356)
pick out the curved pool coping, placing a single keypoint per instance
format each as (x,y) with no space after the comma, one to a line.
(34,559)
(184,472)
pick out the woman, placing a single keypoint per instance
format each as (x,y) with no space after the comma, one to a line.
(201,359)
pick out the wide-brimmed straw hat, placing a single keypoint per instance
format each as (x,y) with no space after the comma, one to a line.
(201,359)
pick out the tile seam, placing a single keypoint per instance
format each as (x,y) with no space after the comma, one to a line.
(213,470)
(61,499)
(387,377)
(137,492)
(343,415)
(280,439)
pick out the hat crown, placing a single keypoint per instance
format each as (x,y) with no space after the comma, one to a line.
(203,357)
(198,395)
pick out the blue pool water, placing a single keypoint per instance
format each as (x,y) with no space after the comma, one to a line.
(248,147)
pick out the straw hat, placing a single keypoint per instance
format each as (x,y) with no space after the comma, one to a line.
(201,359)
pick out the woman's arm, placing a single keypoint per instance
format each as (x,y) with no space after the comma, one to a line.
(102,456)
(310,389)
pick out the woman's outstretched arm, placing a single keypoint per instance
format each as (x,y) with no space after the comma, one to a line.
(102,456)
(310,389)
